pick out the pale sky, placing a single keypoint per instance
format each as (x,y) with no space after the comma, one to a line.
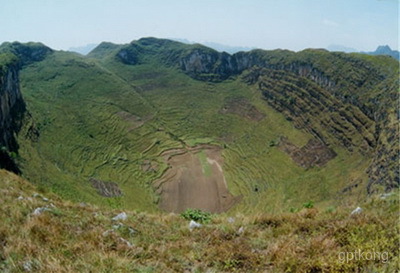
(268,24)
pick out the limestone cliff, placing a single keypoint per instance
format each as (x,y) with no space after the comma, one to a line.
(13,57)
(12,108)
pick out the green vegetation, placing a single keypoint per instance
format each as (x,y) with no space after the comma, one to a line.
(99,117)
(197,215)
(5,60)
(82,238)
(118,116)
(204,163)
(308,205)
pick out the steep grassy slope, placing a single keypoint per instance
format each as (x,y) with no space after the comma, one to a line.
(39,232)
(75,104)
(104,123)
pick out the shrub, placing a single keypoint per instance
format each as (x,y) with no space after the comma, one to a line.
(196,215)
(272,143)
(308,205)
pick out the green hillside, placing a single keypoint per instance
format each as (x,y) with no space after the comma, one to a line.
(287,128)
(288,160)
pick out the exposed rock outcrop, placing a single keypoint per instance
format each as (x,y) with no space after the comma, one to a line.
(314,109)
(105,188)
(14,56)
(12,108)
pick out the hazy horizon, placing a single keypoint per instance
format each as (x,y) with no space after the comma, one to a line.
(268,24)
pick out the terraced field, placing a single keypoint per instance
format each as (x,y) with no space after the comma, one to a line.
(114,115)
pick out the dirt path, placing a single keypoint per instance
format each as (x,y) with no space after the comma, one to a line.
(212,161)
(195,183)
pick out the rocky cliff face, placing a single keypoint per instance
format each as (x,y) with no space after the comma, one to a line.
(12,108)
(314,109)
(13,57)
(10,103)
(211,65)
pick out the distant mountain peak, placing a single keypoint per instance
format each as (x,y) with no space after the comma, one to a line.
(383,47)
(385,50)
(217,46)
(84,50)
(342,48)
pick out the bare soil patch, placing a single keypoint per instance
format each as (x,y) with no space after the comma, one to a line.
(149,166)
(132,120)
(195,179)
(242,107)
(314,153)
(105,188)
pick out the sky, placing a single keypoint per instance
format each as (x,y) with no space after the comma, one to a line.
(267,24)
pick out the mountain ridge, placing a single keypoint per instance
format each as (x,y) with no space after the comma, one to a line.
(156,156)
(206,64)
(162,89)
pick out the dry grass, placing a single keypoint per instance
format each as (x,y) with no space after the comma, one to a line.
(72,237)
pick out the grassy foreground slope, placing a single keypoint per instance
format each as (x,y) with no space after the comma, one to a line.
(40,232)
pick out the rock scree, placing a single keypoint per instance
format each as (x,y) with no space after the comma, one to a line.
(105,188)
